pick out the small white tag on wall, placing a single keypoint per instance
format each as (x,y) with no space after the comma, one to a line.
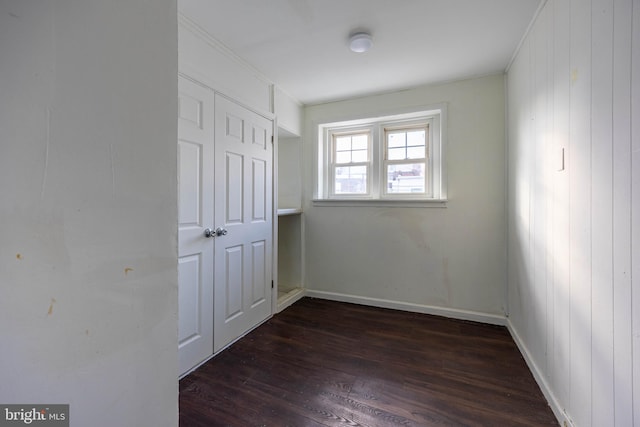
(560,159)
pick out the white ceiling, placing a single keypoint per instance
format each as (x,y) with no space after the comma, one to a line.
(302,45)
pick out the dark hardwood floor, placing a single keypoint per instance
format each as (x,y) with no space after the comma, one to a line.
(324,363)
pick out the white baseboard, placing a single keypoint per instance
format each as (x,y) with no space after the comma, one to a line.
(290,298)
(561,416)
(453,313)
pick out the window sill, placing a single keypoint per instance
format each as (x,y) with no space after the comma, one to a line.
(383,203)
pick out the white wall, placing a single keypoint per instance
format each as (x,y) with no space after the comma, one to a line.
(289,173)
(289,112)
(88,213)
(574,234)
(206,60)
(421,259)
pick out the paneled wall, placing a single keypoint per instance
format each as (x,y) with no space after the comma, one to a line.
(574,207)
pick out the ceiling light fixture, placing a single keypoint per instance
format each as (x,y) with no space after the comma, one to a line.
(360,42)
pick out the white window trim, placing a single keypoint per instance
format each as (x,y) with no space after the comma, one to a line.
(323,193)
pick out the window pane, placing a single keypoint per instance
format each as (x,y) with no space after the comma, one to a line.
(408,178)
(358,156)
(351,180)
(360,142)
(343,143)
(343,157)
(415,137)
(415,152)
(396,139)
(397,153)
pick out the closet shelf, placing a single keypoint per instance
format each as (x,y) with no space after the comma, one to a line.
(289,211)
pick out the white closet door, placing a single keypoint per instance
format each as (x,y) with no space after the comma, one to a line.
(244,215)
(195,200)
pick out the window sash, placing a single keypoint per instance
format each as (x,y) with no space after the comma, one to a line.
(407,181)
(351,182)
(414,178)
(336,189)
(388,131)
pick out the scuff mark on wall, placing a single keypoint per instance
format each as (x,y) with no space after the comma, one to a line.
(410,224)
(574,75)
(50,311)
(127,270)
(19,256)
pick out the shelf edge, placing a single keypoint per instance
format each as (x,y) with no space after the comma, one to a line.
(289,211)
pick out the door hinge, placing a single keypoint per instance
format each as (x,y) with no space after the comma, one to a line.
(272,139)
(272,284)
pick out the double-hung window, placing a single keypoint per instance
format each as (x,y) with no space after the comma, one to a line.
(405,159)
(392,158)
(351,163)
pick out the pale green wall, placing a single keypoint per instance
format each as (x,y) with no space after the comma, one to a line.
(451,258)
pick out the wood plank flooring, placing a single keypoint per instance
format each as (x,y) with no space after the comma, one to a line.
(325,363)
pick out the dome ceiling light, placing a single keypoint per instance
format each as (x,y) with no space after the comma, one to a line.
(360,42)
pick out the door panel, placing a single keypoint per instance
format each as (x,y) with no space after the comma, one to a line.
(259,136)
(190,159)
(259,173)
(233,292)
(259,265)
(234,189)
(195,207)
(235,128)
(243,206)
(188,297)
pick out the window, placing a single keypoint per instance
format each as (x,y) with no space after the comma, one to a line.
(393,158)
(405,159)
(351,163)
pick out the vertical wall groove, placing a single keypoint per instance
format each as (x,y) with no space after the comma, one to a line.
(635,205)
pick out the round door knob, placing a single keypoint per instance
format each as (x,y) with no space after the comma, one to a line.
(221,231)
(209,232)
